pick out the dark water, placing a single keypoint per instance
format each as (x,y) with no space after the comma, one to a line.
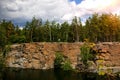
(29,74)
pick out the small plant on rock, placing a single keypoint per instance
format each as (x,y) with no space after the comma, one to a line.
(1,61)
(58,60)
(66,65)
(61,62)
(86,53)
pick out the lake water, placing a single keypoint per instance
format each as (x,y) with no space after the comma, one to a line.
(29,74)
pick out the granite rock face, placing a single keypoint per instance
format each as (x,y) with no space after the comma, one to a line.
(42,55)
(109,52)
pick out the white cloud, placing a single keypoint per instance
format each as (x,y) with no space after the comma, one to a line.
(100,6)
(47,9)
(55,9)
(88,7)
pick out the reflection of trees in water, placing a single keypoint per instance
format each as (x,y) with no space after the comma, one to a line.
(67,75)
(0,76)
(63,75)
(29,74)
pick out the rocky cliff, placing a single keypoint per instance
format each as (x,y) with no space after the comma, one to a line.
(42,55)
(108,52)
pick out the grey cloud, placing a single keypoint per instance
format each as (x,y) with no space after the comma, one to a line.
(59,10)
(26,9)
(30,8)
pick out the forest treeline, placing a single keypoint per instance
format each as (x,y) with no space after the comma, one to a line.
(103,28)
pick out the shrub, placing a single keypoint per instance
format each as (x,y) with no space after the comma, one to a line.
(61,62)
(1,61)
(58,60)
(86,53)
(66,65)
(6,50)
(17,39)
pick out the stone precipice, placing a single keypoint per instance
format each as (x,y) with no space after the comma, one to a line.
(42,55)
(109,52)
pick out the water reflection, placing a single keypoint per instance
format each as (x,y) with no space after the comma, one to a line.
(29,74)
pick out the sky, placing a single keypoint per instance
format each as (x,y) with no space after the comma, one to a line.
(20,11)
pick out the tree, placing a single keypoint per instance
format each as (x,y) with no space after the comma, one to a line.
(48,31)
(64,31)
(2,38)
(7,29)
(92,27)
(76,26)
(30,29)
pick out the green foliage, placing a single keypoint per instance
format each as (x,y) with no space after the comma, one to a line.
(103,27)
(66,65)
(86,53)
(6,50)
(1,61)
(59,59)
(17,39)
(65,29)
(2,41)
(75,29)
(61,62)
